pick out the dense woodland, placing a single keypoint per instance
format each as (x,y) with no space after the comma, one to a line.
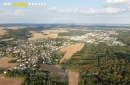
(124,37)
(102,64)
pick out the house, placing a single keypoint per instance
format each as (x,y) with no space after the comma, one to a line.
(116,43)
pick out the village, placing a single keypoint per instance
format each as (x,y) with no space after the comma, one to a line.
(99,36)
(27,53)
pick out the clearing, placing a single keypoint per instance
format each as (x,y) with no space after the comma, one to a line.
(54,71)
(73,77)
(9,39)
(4,62)
(2,31)
(14,27)
(53,33)
(70,50)
(10,80)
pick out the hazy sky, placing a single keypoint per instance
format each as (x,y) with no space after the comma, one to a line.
(67,11)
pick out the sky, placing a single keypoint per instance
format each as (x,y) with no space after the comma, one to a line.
(67,11)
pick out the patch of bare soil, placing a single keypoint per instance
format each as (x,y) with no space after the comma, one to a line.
(4,62)
(54,71)
(46,34)
(70,50)
(10,80)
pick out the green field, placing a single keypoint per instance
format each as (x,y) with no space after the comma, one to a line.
(54,32)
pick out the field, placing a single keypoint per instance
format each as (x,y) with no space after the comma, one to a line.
(10,80)
(14,27)
(54,70)
(4,62)
(73,77)
(2,31)
(42,35)
(70,50)
(7,39)
(46,34)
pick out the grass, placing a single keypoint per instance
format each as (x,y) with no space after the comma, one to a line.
(54,32)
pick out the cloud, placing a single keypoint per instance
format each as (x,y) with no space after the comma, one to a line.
(123,3)
(19,12)
(14,13)
(52,9)
(116,1)
(92,11)
(69,10)
(7,13)
(106,10)
(112,10)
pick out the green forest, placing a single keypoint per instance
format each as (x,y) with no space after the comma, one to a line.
(123,36)
(102,64)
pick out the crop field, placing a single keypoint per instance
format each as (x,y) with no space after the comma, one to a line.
(46,34)
(10,80)
(70,50)
(4,62)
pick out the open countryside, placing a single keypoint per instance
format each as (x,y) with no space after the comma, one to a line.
(64,56)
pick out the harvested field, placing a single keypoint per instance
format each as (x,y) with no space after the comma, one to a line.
(58,30)
(70,50)
(54,71)
(73,77)
(46,34)
(36,35)
(7,39)
(2,31)
(14,27)
(4,62)
(10,80)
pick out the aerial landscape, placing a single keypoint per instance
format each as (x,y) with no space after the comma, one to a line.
(65,55)
(49,43)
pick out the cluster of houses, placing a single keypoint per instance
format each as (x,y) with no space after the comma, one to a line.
(98,36)
(27,52)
